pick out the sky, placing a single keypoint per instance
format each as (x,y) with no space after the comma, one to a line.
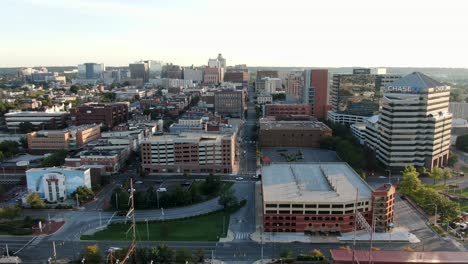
(308,33)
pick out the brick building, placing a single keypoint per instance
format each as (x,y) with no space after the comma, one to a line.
(281,110)
(68,139)
(315,197)
(230,103)
(211,76)
(191,153)
(111,159)
(292,133)
(109,115)
(238,76)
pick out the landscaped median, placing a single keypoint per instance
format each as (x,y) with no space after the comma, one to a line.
(208,227)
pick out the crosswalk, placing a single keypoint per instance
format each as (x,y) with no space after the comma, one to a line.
(242,236)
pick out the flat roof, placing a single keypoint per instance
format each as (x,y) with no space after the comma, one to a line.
(334,182)
(389,256)
(291,125)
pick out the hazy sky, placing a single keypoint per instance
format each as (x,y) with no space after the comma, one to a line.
(326,33)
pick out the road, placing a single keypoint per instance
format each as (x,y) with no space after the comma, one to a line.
(248,163)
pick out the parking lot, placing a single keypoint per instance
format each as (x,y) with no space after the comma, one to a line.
(308,154)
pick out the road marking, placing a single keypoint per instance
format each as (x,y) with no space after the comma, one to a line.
(242,236)
(110,219)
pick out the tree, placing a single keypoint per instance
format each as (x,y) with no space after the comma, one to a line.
(25,127)
(24,142)
(119,199)
(9,212)
(35,201)
(162,254)
(183,256)
(200,255)
(286,253)
(2,156)
(453,159)
(165,230)
(462,143)
(83,193)
(410,182)
(55,159)
(436,174)
(317,254)
(446,174)
(228,199)
(92,254)
(211,185)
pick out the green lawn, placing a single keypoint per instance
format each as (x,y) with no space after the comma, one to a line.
(200,228)
(464,169)
(438,187)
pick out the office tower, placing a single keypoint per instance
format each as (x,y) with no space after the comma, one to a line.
(91,70)
(139,70)
(356,96)
(415,123)
(230,103)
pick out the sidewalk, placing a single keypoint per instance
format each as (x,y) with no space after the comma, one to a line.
(397,235)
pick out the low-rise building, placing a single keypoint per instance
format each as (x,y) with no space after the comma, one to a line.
(39,120)
(68,139)
(57,183)
(292,133)
(191,153)
(283,110)
(319,197)
(111,159)
(264,99)
(109,115)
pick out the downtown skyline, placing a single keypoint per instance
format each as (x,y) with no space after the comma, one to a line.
(292,34)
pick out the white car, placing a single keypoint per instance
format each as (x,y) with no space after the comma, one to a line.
(138,182)
(239,178)
(113,249)
(161,189)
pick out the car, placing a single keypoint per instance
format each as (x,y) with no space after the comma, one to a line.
(161,189)
(113,249)
(129,190)
(239,178)
(403,197)
(138,182)
(121,213)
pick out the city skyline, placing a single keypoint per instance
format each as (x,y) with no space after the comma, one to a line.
(260,33)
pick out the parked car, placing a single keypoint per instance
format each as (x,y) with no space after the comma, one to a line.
(239,178)
(122,213)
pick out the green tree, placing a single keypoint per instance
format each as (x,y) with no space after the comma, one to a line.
(446,174)
(411,181)
(55,159)
(286,254)
(24,142)
(9,148)
(228,199)
(9,212)
(436,174)
(211,185)
(462,143)
(200,254)
(25,127)
(195,194)
(453,159)
(162,254)
(83,193)
(92,254)
(119,199)
(35,201)
(183,256)
(2,156)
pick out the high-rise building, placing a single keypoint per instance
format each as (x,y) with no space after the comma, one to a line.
(230,103)
(415,123)
(91,70)
(315,91)
(294,85)
(222,61)
(353,97)
(267,85)
(139,70)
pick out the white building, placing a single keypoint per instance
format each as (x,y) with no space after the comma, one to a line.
(415,123)
(264,99)
(55,184)
(267,85)
(342,118)
(195,75)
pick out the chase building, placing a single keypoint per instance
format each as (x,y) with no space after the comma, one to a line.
(414,124)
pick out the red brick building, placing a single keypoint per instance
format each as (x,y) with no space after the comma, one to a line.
(315,197)
(237,77)
(319,82)
(109,115)
(283,110)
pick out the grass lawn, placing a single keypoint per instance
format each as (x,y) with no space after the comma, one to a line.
(437,187)
(200,228)
(16,228)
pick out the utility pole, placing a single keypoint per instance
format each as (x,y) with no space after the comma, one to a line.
(100,219)
(77,201)
(116,200)
(147,230)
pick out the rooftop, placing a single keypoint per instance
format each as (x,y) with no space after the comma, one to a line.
(416,81)
(62,168)
(400,256)
(312,182)
(292,125)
